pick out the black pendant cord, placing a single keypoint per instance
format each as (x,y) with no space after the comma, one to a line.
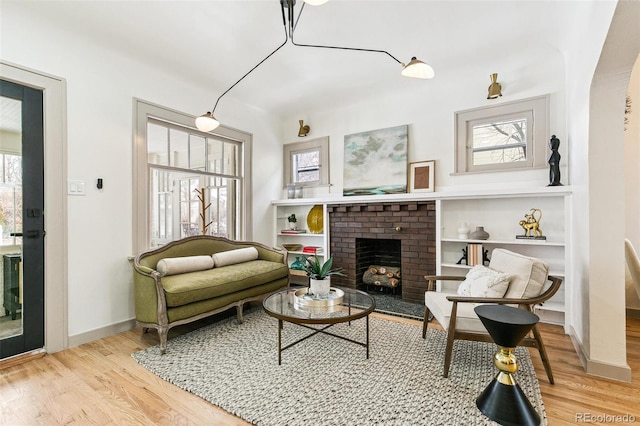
(286,38)
(293,28)
(289,31)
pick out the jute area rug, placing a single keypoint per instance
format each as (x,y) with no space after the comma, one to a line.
(328,381)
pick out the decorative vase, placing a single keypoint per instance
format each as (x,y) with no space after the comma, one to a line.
(291,191)
(292,226)
(479,234)
(463,231)
(298,263)
(320,287)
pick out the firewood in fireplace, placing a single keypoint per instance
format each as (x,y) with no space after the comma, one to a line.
(385,276)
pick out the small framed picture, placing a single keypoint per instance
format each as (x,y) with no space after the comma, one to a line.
(422,176)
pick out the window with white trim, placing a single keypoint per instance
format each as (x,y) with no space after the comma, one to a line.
(508,136)
(306,163)
(187,182)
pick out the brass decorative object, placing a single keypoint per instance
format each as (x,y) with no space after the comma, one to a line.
(203,210)
(531,226)
(495,88)
(304,129)
(315,220)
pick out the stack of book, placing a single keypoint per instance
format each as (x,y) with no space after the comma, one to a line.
(293,231)
(312,250)
(474,254)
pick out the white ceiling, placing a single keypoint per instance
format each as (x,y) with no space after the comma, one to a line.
(213,43)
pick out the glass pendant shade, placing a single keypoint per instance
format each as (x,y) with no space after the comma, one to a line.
(315,2)
(417,69)
(207,122)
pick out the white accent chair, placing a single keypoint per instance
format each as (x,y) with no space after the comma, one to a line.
(527,287)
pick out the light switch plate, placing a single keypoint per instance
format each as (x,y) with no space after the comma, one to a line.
(76,187)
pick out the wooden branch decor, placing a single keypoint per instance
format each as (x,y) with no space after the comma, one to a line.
(203,210)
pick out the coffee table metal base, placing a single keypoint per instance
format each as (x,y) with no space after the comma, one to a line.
(316,331)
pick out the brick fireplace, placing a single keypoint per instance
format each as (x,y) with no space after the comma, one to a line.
(413,223)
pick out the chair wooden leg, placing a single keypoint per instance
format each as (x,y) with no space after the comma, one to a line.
(543,353)
(451,335)
(448,352)
(425,322)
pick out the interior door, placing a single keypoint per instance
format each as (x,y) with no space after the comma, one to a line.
(22,218)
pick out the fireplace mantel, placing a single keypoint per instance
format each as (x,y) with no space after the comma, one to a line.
(530,191)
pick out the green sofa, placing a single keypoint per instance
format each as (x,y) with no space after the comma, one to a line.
(178,296)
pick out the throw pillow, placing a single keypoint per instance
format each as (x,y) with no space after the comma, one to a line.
(180,265)
(529,273)
(231,257)
(484,282)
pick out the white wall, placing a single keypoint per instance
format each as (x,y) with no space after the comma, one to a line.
(596,85)
(101,87)
(632,176)
(428,107)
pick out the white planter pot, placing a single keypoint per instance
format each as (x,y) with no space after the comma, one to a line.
(320,287)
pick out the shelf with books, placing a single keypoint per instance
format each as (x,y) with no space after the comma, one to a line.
(311,222)
(500,216)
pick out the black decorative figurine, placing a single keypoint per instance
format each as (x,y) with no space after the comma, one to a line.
(554,162)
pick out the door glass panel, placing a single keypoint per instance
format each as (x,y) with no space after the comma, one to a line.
(11,217)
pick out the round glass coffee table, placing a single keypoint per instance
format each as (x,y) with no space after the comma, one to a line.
(283,305)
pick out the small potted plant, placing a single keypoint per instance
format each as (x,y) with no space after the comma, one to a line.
(292,221)
(320,275)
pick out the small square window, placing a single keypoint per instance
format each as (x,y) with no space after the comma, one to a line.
(306,163)
(503,137)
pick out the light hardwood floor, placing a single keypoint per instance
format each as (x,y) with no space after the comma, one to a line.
(99,383)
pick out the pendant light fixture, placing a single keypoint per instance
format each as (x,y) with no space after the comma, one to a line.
(415,68)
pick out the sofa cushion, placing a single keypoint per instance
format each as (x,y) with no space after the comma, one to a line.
(484,282)
(180,265)
(195,286)
(529,274)
(232,257)
(466,318)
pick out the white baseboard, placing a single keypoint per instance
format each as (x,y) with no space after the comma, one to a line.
(99,333)
(599,368)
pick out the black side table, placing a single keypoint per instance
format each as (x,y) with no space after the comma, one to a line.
(503,400)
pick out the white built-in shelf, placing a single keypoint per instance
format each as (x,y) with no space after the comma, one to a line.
(309,254)
(507,242)
(303,235)
(552,306)
(558,274)
(456,266)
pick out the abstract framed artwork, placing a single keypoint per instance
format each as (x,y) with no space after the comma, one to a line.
(375,162)
(422,176)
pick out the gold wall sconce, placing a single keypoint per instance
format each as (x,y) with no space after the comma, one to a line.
(304,129)
(495,88)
